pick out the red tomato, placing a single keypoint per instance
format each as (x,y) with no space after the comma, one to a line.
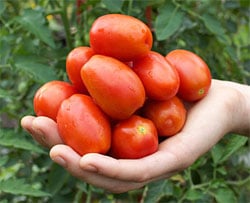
(168,116)
(134,138)
(74,62)
(113,85)
(49,97)
(160,79)
(195,76)
(83,126)
(120,36)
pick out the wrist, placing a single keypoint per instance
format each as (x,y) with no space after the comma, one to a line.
(241,113)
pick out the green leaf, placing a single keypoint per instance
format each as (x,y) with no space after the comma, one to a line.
(2,7)
(113,6)
(225,194)
(224,149)
(5,93)
(168,21)
(19,187)
(56,178)
(3,160)
(193,194)
(40,72)
(157,190)
(215,27)
(34,22)
(10,138)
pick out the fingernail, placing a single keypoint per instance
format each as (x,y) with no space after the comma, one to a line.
(59,160)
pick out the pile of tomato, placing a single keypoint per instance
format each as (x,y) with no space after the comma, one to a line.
(122,96)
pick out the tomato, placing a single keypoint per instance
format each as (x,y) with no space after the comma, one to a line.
(121,36)
(195,76)
(160,79)
(134,138)
(168,116)
(74,62)
(113,85)
(49,97)
(83,126)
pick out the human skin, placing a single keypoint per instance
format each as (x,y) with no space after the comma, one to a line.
(225,109)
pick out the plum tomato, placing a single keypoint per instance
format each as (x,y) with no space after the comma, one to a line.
(195,76)
(160,79)
(168,116)
(120,36)
(134,138)
(113,85)
(49,97)
(74,62)
(83,126)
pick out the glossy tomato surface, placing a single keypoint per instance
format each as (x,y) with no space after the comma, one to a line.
(195,76)
(161,80)
(83,126)
(113,85)
(121,36)
(49,97)
(168,116)
(74,62)
(134,138)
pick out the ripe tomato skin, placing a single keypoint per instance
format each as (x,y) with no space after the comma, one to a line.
(49,97)
(74,62)
(83,126)
(195,76)
(168,116)
(134,138)
(113,85)
(161,81)
(120,36)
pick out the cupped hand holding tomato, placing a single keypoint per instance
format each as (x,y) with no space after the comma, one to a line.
(203,129)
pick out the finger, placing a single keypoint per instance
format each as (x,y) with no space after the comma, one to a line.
(158,165)
(69,159)
(43,130)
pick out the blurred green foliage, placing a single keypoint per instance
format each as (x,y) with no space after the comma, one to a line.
(35,38)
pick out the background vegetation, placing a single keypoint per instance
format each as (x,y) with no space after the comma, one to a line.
(35,38)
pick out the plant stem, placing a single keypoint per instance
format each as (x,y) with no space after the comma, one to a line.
(66,25)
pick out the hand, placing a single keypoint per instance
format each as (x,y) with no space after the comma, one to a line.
(225,109)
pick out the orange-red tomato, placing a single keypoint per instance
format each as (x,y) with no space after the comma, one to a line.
(83,126)
(74,62)
(168,116)
(121,36)
(113,85)
(134,138)
(160,79)
(195,76)
(49,97)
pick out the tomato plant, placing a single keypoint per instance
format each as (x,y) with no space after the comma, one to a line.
(160,79)
(113,85)
(83,126)
(195,76)
(134,138)
(168,116)
(74,62)
(121,36)
(49,97)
